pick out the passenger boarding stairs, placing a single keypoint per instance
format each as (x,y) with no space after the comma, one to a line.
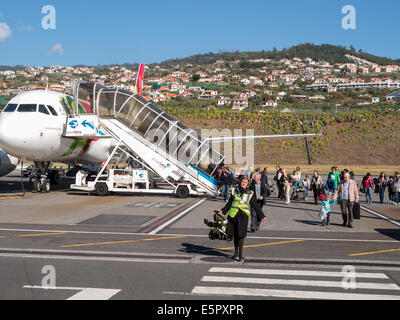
(162,144)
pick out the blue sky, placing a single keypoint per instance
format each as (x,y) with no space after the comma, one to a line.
(104,32)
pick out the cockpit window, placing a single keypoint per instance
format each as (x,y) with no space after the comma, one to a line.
(43,109)
(27,108)
(10,107)
(52,110)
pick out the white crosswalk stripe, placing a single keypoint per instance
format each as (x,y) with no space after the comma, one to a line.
(312,284)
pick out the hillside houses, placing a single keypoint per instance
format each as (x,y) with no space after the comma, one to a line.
(226,83)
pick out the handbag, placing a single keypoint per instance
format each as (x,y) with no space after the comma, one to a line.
(322,214)
(356,211)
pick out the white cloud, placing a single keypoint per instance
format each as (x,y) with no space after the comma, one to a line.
(26,28)
(5,32)
(57,48)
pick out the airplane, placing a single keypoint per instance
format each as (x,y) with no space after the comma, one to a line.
(32,126)
(31,129)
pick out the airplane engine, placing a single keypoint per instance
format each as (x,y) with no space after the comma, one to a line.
(7,163)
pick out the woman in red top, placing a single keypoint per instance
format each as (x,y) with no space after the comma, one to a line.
(368,184)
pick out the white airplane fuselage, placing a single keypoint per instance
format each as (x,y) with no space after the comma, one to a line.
(31,131)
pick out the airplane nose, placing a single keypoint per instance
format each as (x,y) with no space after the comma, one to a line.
(12,136)
(4,130)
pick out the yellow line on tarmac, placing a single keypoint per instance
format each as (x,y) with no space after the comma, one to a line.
(116,242)
(263,244)
(11,197)
(372,252)
(41,234)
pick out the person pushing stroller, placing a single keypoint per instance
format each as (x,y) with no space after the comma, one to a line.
(238,210)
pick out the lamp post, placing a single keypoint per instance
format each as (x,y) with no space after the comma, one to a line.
(306,141)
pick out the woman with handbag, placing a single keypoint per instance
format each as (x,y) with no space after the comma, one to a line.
(382,183)
(317,185)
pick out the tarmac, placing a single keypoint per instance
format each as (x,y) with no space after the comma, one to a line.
(68,228)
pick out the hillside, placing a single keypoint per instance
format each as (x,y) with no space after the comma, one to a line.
(355,138)
(330,53)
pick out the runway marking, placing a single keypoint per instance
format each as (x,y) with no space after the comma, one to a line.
(12,197)
(174,216)
(84,293)
(263,244)
(372,252)
(295,282)
(381,216)
(201,236)
(280,272)
(29,194)
(117,242)
(41,234)
(230,291)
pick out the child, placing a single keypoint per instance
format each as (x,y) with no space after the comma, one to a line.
(330,199)
(307,186)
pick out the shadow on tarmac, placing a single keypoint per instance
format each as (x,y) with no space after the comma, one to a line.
(392,233)
(196,249)
(12,185)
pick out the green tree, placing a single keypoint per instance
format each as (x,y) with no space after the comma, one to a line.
(195,77)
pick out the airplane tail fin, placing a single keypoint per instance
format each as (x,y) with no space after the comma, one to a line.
(139,80)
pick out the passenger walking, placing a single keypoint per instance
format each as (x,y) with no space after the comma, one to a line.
(298,173)
(227,181)
(218,175)
(279,186)
(396,189)
(317,185)
(368,185)
(292,179)
(249,172)
(238,210)
(307,185)
(330,185)
(260,192)
(390,189)
(264,177)
(382,183)
(349,195)
(285,182)
(335,176)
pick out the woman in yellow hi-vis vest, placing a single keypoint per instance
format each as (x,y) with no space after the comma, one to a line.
(238,209)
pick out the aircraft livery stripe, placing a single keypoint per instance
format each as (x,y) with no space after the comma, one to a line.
(75,144)
(85,147)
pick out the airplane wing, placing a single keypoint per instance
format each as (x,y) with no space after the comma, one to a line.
(276,136)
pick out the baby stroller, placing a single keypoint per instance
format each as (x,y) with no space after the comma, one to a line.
(270,188)
(218,228)
(299,191)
